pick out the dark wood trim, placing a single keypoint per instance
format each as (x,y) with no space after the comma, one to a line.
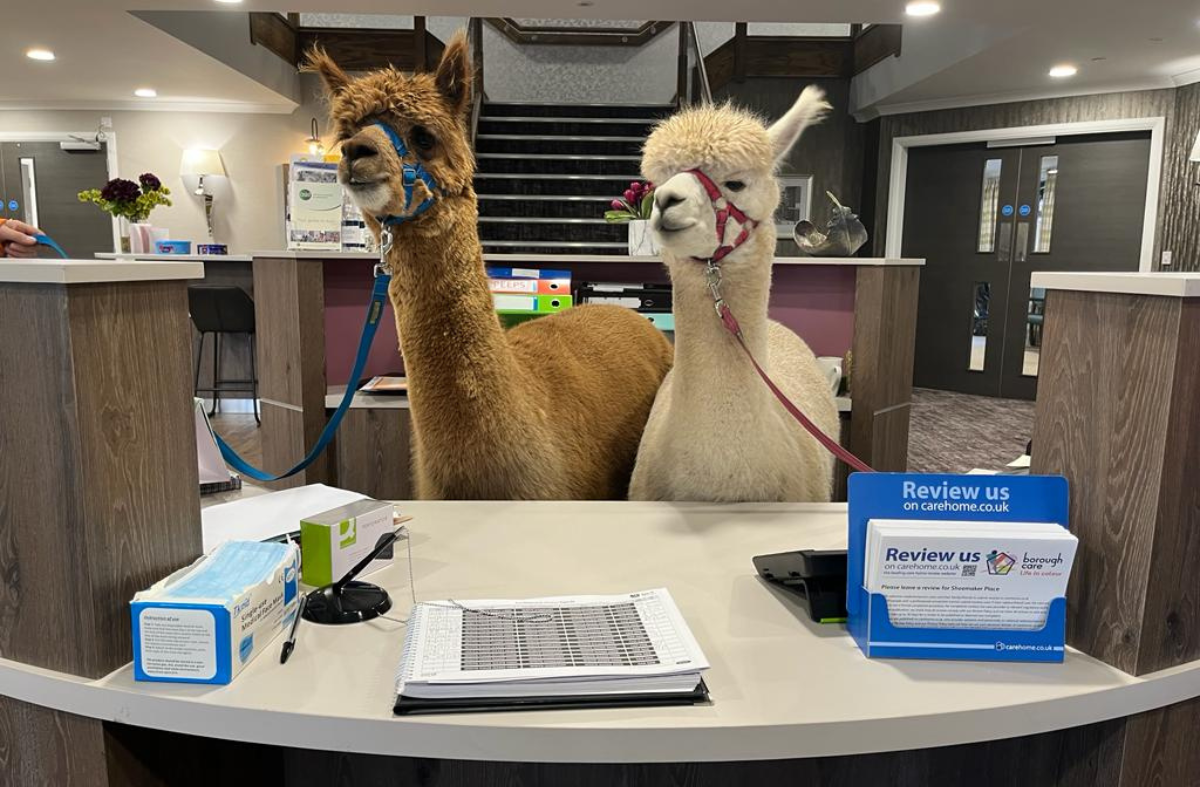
(270,30)
(577,36)
(876,43)
(740,37)
(1118,418)
(885,331)
(45,747)
(363,49)
(779,56)
(681,76)
(420,45)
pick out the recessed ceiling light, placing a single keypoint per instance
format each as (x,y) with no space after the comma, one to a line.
(40,54)
(146,92)
(922,8)
(1063,71)
(229,2)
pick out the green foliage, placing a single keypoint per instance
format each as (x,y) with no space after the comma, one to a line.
(135,210)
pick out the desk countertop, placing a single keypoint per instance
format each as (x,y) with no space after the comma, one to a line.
(782,686)
(552,260)
(1176,284)
(174,257)
(39,271)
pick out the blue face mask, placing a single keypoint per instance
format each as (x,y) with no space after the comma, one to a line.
(411,174)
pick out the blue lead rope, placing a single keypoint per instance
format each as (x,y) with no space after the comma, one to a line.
(374,312)
(48,242)
(411,174)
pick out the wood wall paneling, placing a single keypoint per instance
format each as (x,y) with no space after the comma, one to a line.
(40,747)
(373,449)
(1171,618)
(791,57)
(1179,209)
(97,464)
(885,322)
(290,325)
(1118,419)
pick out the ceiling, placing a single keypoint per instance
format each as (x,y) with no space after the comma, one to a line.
(104,52)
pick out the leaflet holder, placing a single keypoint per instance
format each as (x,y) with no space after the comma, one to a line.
(882,496)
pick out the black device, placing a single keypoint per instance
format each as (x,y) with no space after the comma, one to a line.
(348,600)
(818,576)
(644,298)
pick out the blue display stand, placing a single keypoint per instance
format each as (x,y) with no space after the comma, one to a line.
(978,498)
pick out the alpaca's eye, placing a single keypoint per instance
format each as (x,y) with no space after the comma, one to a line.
(422,139)
(734,185)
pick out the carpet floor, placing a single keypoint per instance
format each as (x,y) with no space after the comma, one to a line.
(953,433)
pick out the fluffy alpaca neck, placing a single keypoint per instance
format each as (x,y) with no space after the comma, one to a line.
(709,364)
(456,355)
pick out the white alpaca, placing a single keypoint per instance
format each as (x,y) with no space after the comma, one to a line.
(716,432)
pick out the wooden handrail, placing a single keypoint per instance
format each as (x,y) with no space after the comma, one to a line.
(475,40)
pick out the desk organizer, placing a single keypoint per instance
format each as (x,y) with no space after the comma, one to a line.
(883,496)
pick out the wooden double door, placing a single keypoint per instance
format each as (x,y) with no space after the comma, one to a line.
(986,218)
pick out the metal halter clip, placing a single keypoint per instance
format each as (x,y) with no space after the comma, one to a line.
(385,246)
(713,274)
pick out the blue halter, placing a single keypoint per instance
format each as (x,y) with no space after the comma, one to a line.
(412,173)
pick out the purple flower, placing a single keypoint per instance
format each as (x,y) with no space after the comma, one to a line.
(119,190)
(630,195)
(618,205)
(149,182)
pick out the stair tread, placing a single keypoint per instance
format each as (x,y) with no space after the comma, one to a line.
(560,156)
(560,119)
(563,137)
(539,220)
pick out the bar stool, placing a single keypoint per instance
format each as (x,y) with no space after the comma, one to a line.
(219,310)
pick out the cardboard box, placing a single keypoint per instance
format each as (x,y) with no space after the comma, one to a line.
(333,541)
(206,622)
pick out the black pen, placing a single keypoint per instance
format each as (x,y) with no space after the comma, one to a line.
(290,644)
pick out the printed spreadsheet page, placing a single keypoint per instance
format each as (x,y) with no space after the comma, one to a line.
(480,641)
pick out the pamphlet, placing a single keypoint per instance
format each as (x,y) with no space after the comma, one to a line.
(981,575)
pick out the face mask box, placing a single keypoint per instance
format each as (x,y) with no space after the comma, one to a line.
(332,542)
(206,622)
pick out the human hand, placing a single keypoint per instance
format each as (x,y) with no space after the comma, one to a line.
(16,239)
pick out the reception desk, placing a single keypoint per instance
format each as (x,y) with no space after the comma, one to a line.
(791,699)
(100,499)
(311,305)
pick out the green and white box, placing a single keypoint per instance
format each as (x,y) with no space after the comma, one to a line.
(332,542)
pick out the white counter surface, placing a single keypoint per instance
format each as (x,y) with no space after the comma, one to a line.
(550,260)
(188,257)
(782,686)
(1179,284)
(39,271)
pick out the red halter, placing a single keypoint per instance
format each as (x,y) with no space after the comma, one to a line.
(724,210)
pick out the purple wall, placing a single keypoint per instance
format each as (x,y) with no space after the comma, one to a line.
(815,301)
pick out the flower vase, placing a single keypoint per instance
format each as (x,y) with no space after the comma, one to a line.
(123,228)
(641,239)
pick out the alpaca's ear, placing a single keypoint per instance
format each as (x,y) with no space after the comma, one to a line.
(810,108)
(332,75)
(454,73)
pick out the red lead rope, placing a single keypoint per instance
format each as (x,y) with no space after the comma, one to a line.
(731,325)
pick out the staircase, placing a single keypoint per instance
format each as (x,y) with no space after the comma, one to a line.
(547,172)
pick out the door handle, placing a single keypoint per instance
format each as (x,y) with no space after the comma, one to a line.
(1022,240)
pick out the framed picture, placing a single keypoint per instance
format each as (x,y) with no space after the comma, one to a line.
(795,203)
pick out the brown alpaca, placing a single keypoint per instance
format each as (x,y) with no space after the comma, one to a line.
(552,409)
